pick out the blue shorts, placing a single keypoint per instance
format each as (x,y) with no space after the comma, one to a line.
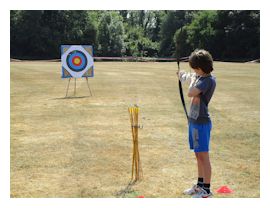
(199,136)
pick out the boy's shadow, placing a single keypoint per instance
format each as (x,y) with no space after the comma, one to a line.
(127,190)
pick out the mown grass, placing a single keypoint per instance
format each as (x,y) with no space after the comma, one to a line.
(82,146)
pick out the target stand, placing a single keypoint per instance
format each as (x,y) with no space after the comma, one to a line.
(75,86)
(77,62)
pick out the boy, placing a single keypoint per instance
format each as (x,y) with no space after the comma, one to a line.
(201,89)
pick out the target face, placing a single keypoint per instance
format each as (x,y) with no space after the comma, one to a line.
(77,61)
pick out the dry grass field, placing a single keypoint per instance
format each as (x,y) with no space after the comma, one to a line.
(82,146)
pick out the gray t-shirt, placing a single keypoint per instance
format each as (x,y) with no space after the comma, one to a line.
(199,104)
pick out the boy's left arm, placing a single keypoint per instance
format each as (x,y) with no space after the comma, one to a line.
(198,88)
(193,92)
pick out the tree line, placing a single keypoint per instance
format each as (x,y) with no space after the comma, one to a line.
(227,34)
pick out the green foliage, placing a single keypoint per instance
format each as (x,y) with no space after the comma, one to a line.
(201,31)
(39,34)
(230,34)
(27,22)
(172,21)
(239,34)
(111,34)
(139,45)
(182,48)
(169,26)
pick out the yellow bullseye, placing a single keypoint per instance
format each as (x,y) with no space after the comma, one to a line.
(77,61)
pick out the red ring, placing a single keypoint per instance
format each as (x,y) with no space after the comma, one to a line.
(73,60)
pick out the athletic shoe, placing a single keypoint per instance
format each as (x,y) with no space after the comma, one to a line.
(202,194)
(193,190)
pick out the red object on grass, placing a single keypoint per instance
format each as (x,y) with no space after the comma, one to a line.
(140,196)
(224,190)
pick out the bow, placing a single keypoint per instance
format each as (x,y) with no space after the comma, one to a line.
(178,40)
(181,89)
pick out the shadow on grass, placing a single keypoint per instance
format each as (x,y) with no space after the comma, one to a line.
(128,191)
(67,98)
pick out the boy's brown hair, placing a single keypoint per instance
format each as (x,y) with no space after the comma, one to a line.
(202,59)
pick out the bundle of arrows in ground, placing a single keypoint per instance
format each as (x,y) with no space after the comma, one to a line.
(136,163)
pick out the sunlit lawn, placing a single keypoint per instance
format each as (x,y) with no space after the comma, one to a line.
(82,146)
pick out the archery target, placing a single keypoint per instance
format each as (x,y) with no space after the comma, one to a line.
(77,61)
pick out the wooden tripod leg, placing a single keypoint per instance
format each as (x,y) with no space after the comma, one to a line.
(88,86)
(67,87)
(75,88)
